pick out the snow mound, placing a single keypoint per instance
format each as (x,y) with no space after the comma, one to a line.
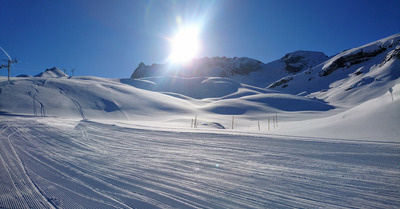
(52,73)
(198,88)
(265,103)
(227,97)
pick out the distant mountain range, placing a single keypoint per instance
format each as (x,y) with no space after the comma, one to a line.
(370,69)
(243,69)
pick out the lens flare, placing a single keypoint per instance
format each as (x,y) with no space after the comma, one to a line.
(185,45)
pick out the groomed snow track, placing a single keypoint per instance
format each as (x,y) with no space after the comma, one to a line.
(95,165)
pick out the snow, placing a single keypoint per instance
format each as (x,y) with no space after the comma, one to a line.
(374,120)
(48,162)
(104,143)
(88,142)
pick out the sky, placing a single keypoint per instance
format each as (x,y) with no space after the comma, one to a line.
(109,38)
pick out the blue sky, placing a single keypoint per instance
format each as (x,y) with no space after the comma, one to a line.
(109,38)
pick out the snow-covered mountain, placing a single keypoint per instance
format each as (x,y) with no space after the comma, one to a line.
(352,76)
(52,73)
(289,64)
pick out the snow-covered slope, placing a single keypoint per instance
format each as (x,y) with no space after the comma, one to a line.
(376,120)
(351,77)
(244,70)
(91,97)
(83,97)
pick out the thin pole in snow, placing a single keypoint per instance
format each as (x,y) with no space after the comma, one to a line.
(8,66)
(391,92)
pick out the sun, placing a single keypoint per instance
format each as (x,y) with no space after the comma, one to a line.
(185,45)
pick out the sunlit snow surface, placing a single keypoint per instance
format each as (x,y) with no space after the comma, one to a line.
(48,163)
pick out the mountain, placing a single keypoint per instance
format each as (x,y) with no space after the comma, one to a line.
(289,64)
(245,70)
(52,73)
(350,77)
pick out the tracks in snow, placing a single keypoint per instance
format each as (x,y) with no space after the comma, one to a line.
(78,106)
(104,166)
(16,188)
(33,94)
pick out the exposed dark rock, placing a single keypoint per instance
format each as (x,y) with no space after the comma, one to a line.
(349,60)
(300,60)
(394,54)
(280,82)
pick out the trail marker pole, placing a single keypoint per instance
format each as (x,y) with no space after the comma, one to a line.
(273,121)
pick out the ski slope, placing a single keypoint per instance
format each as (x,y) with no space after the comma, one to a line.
(63,163)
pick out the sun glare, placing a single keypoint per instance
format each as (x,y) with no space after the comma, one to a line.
(185,45)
